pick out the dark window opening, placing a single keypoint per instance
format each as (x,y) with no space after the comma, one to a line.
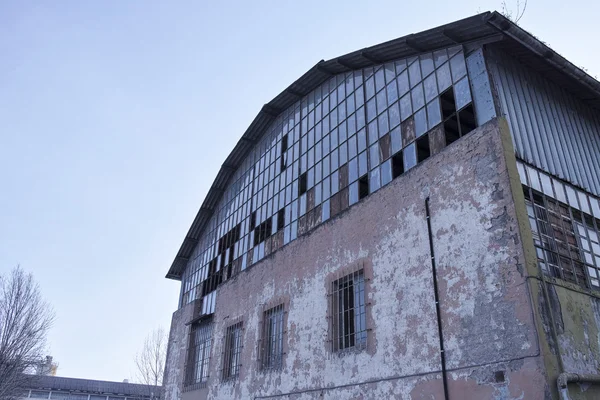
(423,151)
(466,116)
(272,338)
(448,103)
(233,350)
(302,184)
(456,124)
(363,186)
(284,147)
(226,249)
(499,376)
(281,219)
(263,231)
(253,220)
(397,165)
(451,130)
(349,312)
(213,279)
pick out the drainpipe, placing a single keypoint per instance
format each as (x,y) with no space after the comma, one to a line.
(566,378)
(437,303)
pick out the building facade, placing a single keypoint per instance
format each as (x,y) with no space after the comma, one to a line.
(415,220)
(60,388)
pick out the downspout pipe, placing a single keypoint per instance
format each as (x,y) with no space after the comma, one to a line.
(565,378)
(437,302)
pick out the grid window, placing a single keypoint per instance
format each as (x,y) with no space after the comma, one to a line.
(348,322)
(233,350)
(272,338)
(566,240)
(307,146)
(199,355)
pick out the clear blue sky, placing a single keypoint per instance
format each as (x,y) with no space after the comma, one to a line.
(116,115)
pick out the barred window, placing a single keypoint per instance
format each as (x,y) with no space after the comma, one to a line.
(272,338)
(566,240)
(348,322)
(199,355)
(233,350)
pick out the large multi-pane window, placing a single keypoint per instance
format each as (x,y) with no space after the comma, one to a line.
(271,345)
(198,355)
(565,223)
(348,309)
(232,353)
(345,139)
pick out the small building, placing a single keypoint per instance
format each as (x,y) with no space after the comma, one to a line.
(60,388)
(419,219)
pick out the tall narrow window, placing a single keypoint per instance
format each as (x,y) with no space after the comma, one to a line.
(281,219)
(198,355)
(272,338)
(233,350)
(363,186)
(348,322)
(284,147)
(302,184)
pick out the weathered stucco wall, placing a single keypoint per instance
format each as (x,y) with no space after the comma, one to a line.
(491,342)
(176,353)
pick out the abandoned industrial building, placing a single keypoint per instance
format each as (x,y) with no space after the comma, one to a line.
(415,220)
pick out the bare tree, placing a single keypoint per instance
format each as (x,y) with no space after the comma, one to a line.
(25,319)
(517,14)
(150,362)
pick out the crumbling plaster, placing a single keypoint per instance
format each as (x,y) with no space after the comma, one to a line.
(486,313)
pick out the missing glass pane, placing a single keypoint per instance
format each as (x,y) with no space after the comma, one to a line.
(363,186)
(448,103)
(451,129)
(466,116)
(423,151)
(302,184)
(397,165)
(281,219)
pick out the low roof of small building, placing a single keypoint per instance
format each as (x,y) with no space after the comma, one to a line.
(479,29)
(43,382)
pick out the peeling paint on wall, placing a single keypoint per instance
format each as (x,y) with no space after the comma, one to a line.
(492,348)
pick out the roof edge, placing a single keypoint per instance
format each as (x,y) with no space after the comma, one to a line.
(489,24)
(538,47)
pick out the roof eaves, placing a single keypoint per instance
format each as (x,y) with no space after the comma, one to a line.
(475,29)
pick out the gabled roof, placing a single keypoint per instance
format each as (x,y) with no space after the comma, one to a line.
(479,29)
(93,386)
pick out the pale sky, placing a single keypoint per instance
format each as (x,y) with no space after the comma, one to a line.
(115,117)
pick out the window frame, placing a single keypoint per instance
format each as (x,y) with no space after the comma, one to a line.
(345,337)
(232,351)
(267,360)
(201,336)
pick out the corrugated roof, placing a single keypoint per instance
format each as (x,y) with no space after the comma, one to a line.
(481,27)
(93,386)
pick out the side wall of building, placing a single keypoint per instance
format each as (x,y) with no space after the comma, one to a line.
(556,133)
(551,128)
(487,319)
